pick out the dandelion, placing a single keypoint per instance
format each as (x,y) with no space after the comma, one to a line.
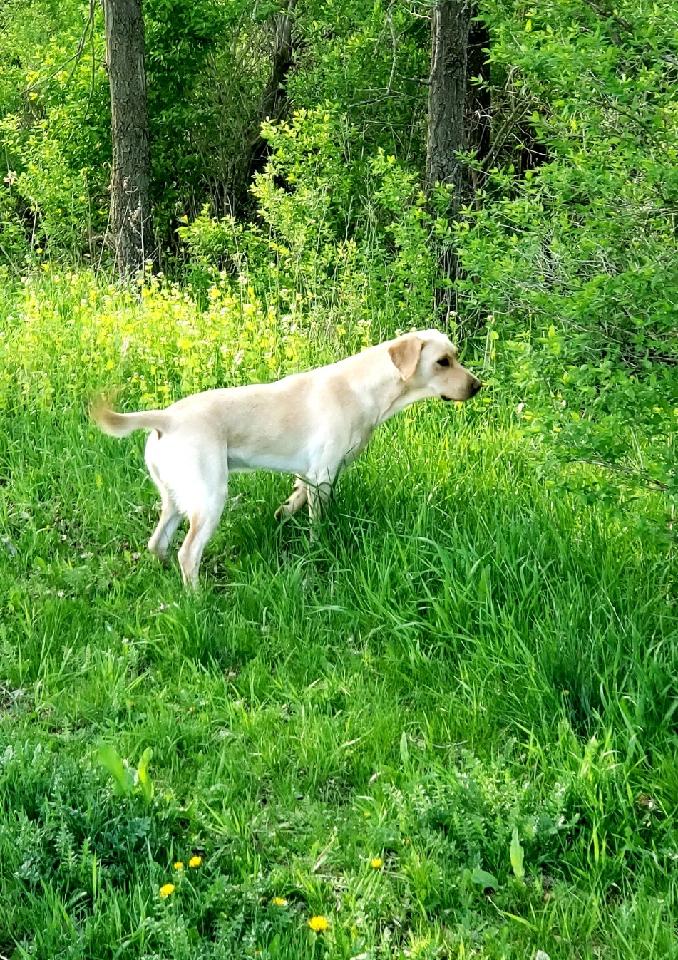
(166,890)
(279,902)
(194,862)
(376,863)
(319,924)
(179,865)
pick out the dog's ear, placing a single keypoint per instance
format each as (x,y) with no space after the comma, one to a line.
(404,353)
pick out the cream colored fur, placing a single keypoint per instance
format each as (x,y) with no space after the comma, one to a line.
(310,424)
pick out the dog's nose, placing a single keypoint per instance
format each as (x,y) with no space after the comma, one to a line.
(475,387)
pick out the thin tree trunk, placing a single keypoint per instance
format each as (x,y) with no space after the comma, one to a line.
(446,101)
(274,98)
(447,91)
(131,228)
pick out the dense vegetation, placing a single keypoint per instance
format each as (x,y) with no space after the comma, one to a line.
(447,724)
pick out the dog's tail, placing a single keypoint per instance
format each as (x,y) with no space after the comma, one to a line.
(120,424)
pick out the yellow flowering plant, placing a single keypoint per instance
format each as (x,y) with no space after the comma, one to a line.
(79,335)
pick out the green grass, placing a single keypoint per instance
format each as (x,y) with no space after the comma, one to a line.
(471,650)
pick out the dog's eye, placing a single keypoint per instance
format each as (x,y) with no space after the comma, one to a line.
(444,362)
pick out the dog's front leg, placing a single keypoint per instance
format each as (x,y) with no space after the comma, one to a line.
(294,502)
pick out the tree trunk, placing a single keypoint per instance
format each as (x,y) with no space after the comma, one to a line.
(447,91)
(131,228)
(446,101)
(275,95)
(274,98)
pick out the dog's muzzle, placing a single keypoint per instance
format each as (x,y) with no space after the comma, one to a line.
(473,390)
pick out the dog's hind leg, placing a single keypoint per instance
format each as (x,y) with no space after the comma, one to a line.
(191,474)
(202,524)
(170,516)
(296,500)
(202,488)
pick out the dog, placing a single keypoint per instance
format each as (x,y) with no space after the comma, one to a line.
(310,424)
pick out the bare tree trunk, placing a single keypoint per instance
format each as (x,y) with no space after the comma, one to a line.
(446,101)
(275,95)
(131,228)
(274,98)
(447,90)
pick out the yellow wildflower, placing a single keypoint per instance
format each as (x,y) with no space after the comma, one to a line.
(376,863)
(179,865)
(166,890)
(194,862)
(279,902)
(319,924)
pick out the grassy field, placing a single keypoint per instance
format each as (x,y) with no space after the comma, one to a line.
(445,726)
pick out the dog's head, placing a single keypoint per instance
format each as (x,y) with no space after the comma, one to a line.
(427,362)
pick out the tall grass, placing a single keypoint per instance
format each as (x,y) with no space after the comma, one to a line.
(473,664)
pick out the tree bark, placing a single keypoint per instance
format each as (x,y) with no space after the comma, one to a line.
(274,98)
(275,94)
(131,225)
(447,91)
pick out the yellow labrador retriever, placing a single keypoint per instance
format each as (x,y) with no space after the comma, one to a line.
(310,424)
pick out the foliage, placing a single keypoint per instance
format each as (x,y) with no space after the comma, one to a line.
(575,260)
(376,269)
(368,59)
(204,72)
(54,127)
